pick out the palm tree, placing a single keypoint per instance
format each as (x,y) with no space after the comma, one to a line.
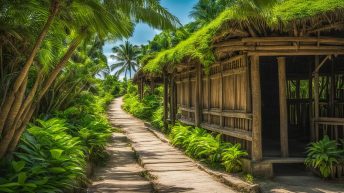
(126,56)
(207,10)
(68,24)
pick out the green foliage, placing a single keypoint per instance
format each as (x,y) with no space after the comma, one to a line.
(323,155)
(200,144)
(231,158)
(86,119)
(249,178)
(49,160)
(52,153)
(148,108)
(273,13)
(157,118)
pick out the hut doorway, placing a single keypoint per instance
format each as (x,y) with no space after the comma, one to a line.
(270,107)
(299,100)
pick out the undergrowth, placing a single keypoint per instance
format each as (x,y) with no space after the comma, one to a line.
(55,150)
(201,145)
(150,108)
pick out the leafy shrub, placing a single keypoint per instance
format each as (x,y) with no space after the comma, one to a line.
(323,155)
(52,153)
(231,158)
(179,135)
(200,144)
(146,109)
(49,160)
(87,121)
(157,118)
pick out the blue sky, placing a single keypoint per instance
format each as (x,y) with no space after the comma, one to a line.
(143,33)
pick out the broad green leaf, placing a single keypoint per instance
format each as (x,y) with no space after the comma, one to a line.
(56,153)
(22,177)
(57,170)
(18,166)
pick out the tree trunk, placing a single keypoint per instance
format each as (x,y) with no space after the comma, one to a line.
(8,133)
(5,110)
(5,142)
(20,130)
(15,109)
(23,73)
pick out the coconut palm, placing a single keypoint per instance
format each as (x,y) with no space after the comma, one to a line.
(207,10)
(126,56)
(66,24)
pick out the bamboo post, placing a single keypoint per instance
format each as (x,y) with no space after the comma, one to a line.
(221,95)
(256,110)
(197,94)
(333,91)
(310,98)
(209,95)
(172,95)
(316,99)
(189,93)
(165,100)
(248,88)
(282,80)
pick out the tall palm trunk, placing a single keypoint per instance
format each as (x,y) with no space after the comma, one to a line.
(9,100)
(23,73)
(10,147)
(10,141)
(8,133)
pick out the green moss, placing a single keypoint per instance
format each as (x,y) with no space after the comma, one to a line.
(198,45)
(297,9)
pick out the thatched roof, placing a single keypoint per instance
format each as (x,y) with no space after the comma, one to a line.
(286,18)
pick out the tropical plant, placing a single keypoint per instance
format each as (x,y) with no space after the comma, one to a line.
(231,158)
(62,26)
(126,55)
(206,11)
(200,144)
(323,155)
(49,160)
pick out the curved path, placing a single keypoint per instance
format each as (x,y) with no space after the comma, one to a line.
(172,171)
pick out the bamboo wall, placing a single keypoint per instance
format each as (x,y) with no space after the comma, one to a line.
(224,98)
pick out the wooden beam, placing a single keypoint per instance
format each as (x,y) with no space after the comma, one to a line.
(198,95)
(165,101)
(316,99)
(296,53)
(280,48)
(310,98)
(321,64)
(233,132)
(172,100)
(293,39)
(282,82)
(221,95)
(209,95)
(256,110)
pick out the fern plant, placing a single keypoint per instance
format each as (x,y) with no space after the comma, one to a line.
(200,144)
(231,158)
(323,155)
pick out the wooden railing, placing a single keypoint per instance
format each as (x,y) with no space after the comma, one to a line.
(224,100)
(330,126)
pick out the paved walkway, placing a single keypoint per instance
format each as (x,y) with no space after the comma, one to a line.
(172,170)
(122,172)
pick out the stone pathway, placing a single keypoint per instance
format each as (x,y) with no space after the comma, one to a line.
(122,172)
(172,171)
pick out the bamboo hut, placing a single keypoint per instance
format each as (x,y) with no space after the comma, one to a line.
(272,82)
